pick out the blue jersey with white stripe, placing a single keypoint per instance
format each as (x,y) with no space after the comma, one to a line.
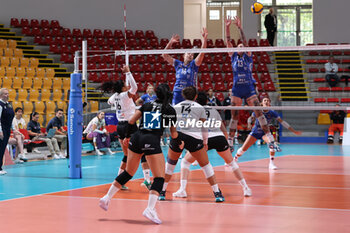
(242,67)
(269,115)
(186,75)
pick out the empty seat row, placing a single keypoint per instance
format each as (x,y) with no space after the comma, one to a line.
(36,83)
(8,44)
(331,100)
(41,107)
(33,95)
(11,52)
(26,72)
(23,62)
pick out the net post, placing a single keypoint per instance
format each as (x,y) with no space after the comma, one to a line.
(127,63)
(76,62)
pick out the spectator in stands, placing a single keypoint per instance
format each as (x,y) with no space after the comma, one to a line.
(34,131)
(6,116)
(271,26)
(60,134)
(331,72)
(227,102)
(96,131)
(337,118)
(148,97)
(17,138)
(212,100)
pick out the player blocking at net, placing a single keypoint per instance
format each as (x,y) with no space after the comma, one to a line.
(243,85)
(258,133)
(186,71)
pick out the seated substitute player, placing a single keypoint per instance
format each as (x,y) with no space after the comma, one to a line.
(258,133)
(243,85)
(146,141)
(193,139)
(217,139)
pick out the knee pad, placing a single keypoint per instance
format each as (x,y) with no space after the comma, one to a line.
(233,165)
(272,150)
(240,151)
(262,120)
(143,159)
(208,170)
(123,178)
(169,168)
(125,158)
(157,184)
(185,164)
(233,124)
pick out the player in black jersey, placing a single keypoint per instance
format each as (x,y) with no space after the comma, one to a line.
(146,141)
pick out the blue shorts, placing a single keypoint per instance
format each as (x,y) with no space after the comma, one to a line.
(177,98)
(258,134)
(243,91)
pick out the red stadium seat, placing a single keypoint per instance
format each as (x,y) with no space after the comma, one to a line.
(66,32)
(226,67)
(204,67)
(34,23)
(268,86)
(76,32)
(197,43)
(229,85)
(253,43)
(148,77)
(158,67)
(324,89)
(233,42)
(313,70)
(220,96)
(56,32)
(218,58)
(319,100)
(345,100)
(264,42)
(207,58)
(346,88)
(171,77)
(27,31)
(333,100)
(147,67)
(44,23)
(336,89)
(265,77)
(55,24)
(210,43)
(217,77)
(87,33)
(118,34)
(215,68)
(129,34)
(150,34)
(160,77)
(97,33)
(205,77)
(207,86)
(186,43)
(163,42)
(228,77)
(262,67)
(320,80)
(265,58)
(219,43)
(24,23)
(220,86)
(15,22)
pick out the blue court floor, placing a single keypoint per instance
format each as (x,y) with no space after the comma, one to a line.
(39,177)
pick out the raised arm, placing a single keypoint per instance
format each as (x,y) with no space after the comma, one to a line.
(167,57)
(130,79)
(237,22)
(228,22)
(200,57)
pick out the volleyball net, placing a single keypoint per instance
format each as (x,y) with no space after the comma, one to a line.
(292,77)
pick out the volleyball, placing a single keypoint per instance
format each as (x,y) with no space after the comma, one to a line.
(257,8)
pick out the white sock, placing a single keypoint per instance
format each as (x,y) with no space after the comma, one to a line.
(111,192)
(152,201)
(270,138)
(120,171)
(146,175)
(243,183)
(215,188)
(183,184)
(165,185)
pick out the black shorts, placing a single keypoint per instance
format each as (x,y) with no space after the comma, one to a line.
(121,129)
(191,144)
(145,143)
(219,143)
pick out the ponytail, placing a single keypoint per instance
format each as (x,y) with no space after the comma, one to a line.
(164,96)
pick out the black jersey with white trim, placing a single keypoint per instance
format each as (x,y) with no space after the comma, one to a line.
(154,120)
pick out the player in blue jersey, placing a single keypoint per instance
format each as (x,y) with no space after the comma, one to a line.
(243,85)
(258,133)
(148,97)
(186,71)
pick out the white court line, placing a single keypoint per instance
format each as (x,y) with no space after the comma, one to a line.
(208,203)
(87,167)
(265,185)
